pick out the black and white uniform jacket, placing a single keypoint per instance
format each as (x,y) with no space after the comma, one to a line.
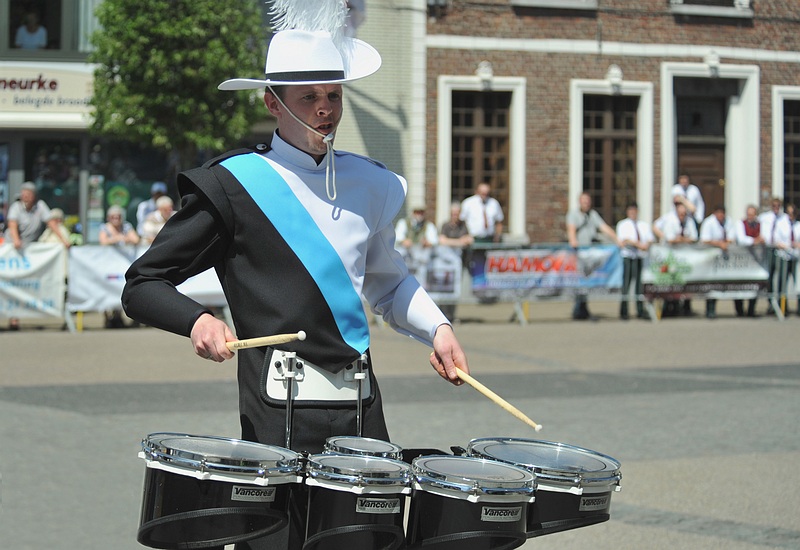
(288,257)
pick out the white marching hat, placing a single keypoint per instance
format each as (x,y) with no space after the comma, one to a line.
(311,57)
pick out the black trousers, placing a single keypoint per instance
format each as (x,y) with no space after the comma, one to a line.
(631,275)
(310,428)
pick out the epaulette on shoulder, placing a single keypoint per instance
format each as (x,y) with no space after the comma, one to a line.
(368,159)
(259,148)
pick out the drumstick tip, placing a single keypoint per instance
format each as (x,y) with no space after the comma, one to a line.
(301,335)
(538,428)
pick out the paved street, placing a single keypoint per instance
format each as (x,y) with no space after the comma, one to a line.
(702,414)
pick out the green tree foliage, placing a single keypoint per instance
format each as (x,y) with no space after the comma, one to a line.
(158,66)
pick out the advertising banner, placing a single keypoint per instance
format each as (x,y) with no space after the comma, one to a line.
(32,281)
(515,274)
(97,277)
(698,269)
(438,270)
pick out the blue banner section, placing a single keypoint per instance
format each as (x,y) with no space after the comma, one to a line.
(545,271)
(280,205)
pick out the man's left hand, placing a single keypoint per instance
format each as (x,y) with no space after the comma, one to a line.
(447,355)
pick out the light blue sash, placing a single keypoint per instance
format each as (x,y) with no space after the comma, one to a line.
(287,214)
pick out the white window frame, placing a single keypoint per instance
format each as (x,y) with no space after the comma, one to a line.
(557,4)
(738,8)
(446,85)
(644,138)
(780,94)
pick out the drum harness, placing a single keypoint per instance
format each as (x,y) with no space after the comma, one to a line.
(293,381)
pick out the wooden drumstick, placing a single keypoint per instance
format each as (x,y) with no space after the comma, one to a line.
(266,341)
(508,407)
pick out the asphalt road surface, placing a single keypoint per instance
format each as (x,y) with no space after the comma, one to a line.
(702,415)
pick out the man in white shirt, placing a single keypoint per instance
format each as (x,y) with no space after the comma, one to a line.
(771,222)
(689,195)
(635,238)
(678,227)
(716,230)
(483,215)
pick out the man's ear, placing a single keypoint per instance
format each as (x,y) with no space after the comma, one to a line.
(272,103)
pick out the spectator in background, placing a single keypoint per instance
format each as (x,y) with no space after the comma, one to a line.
(794,250)
(117,231)
(31,35)
(155,220)
(28,217)
(56,232)
(688,194)
(770,222)
(455,234)
(483,215)
(635,238)
(416,230)
(748,233)
(716,230)
(678,228)
(146,207)
(583,226)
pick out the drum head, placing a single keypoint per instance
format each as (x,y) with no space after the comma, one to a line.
(546,457)
(353,445)
(217,454)
(358,470)
(471,474)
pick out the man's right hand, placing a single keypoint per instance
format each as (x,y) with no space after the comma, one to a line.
(209,336)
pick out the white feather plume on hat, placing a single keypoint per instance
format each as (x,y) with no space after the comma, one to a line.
(309,47)
(310,15)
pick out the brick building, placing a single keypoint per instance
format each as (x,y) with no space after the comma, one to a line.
(542,98)
(546,99)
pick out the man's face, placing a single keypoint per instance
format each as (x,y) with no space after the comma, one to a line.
(720,215)
(585,202)
(318,105)
(632,212)
(776,206)
(483,191)
(28,198)
(680,210)
(752,214)
(684,181)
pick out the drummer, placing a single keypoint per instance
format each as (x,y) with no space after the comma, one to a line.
(298,234)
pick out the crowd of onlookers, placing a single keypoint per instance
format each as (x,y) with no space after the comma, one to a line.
(686,223)
(31,220)
(479,219)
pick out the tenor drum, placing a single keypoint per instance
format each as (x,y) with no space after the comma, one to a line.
(468,503)
(356,502)
(362,446)
(574,485)
(204,491)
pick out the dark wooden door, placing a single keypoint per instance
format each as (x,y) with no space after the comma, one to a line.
(705,165)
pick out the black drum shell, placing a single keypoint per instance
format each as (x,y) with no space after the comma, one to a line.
(556,511)
(334,520)
(181,511)
(568,494)
(438,522)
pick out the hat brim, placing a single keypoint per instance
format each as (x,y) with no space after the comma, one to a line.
(364,60)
